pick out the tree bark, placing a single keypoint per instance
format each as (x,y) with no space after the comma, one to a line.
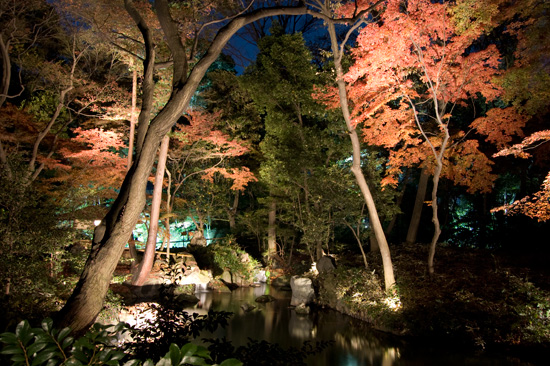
(418,204)
(146,264)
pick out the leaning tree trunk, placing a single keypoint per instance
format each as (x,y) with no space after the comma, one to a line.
(389,279)
(115,229)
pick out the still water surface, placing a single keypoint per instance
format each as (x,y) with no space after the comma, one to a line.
(355,344)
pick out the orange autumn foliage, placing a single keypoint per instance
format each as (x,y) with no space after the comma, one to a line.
(200,141)
(536,206)
(412,67)
(92,158)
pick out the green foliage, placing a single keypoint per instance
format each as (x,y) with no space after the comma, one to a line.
(227,254)
(99,346)
(31,248)
(112,305)
(532,306)
(50,346)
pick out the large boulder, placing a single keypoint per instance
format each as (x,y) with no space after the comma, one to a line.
(196,278)
(326,264)
(302,290)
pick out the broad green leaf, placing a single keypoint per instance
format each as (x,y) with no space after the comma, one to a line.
(42,337)
(18,357)
(11,350)
(202,352)
(193,360)
(23,332)
(43,357)
(36,347)
(136,363)
(67,342)
(8,338)
(73,362)
(63,333)
(47,325)
(231,362)
(163,362)
(175,355)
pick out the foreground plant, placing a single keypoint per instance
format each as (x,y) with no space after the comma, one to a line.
(99,346)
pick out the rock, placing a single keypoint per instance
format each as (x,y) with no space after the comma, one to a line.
(194,278)
(260,277)
(247,307)
(184,289)
(302,290)
(226,276)
(302,309)
(218,285)
(281,281)
(186,299)
(265,298)
(326,264)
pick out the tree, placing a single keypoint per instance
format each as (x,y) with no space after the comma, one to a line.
(300,143)
(202,154)
(109,237)
(413,68)
(343,102)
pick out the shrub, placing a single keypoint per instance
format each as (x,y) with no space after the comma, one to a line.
(227,254)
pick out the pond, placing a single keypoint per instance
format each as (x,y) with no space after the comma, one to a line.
(354,344)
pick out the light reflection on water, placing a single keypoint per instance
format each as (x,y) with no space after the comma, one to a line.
(354,343)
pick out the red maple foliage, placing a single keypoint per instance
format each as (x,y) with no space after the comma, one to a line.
(536,206)
(92,158)
(200,141)
(412,68)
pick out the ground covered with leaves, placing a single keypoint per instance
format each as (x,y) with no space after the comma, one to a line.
(476,298)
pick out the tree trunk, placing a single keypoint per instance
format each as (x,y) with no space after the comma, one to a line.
(418,204)
(357,236)
(435,218)
(6,69)
(232,211)
(146,264)
(272,230)
(131,136)
(389,279)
